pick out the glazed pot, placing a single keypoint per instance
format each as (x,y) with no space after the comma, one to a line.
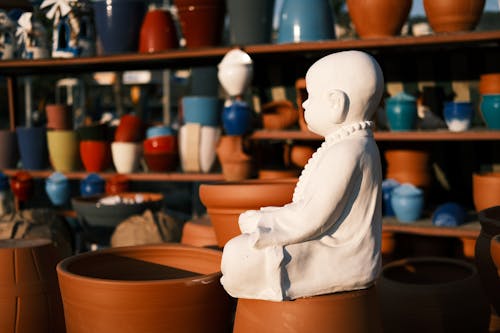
(59,116)
(204,110)
(490,110)
(117,184)
(490,227)
(433,291)
(30,301)
(453,15)
(486,190)
(458,115)
(126,156)
(158,32)
(408,166)
(8,149)
(130,129)
(495,252)
(95,155)
(380,18)
(91,185)
(237,118)
(388,185)
(64,150)
(57,188)
(346,312)
(227,200)
(155,288)
(32,144)
(407,201)
(21,184)
(401,112)
(250,22)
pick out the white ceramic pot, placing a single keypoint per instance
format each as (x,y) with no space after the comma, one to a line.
(235,72)
(126,156)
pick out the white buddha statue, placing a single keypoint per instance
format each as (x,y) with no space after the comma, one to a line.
(328,238)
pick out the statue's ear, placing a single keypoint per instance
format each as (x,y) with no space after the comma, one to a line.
(338,104)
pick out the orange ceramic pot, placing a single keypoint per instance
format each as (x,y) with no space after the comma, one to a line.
(379,18)
(279,115)
(150,288)
(346,312)
(30,301)
(486,190)
(301,93)
(408,166)
(236,164)
(226,201)
(199,232)
(489,84)
(300,154)
(453,15)
(157,32)
(495,252)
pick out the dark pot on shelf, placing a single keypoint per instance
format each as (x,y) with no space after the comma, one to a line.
(32,144)
(250,22)
(8,149)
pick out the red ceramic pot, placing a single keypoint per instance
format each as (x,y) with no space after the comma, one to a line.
(161,162)
(130,129)
(95,155)
(161,144)
(157,32)
(21,185)
(117,184)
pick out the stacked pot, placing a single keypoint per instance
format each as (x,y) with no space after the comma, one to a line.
(127,147)
(489,88)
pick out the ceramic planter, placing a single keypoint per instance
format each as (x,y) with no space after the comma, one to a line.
(346,312)
(489,84)
(401,112)
(453,15)
(379,18)
(161,153)
(427,294)
(158,32)
(64,150)
(250,22)
(237,118)
(155,289)
(21,185)
(59,116)
(32,144)
(236,164)
(226,201)
(408,166)
(204,110)
(490,110)
(126,156)
(95,155)
(279,115)
(486,190)
(407,201)
(458,115)
(199,232)
(130,129)
(30,301)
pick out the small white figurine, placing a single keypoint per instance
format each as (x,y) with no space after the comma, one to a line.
(328,238)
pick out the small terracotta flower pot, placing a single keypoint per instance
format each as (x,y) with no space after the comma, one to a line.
(236,164)
(279,115)
(226,201)
(59,116)
(486,190)
(153,288)
(453,15)
(408,166)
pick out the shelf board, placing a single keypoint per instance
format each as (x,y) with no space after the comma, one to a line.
(436,135)
(146,176)
(425,227)
(181,58)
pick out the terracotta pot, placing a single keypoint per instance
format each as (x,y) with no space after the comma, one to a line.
(490,226)
(95,155)
(489,84)
(388,243)
(453,15)
(59,116)
(279,115)
(299,154)
(495,252)
(408,166)
(236,164)
(346,312)
(226,201)
(150,288)
(199,232)
(158,31)
(486,190)
(21,185)
(380,18)
(30,301)
(432,294)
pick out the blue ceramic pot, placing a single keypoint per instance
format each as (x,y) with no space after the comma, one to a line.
(388,185)
(204,110)
(490,109)
(32,144)
(458,115)
(57,188)
(156,131)
(91,185)
(449,214)
(236,118)
(407,202)
(302,21)
(401,112)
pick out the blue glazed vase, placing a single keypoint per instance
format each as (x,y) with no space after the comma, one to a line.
(490,109)
(57,188)
(407,201)
(236,118)
(458,115)
(401,112)
(93,184)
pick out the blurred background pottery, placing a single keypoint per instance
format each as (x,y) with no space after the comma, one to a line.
(57,188)
(278,174)
(490,109)
(201,21)
(32,144)
(204,110)
(401,112)
(489,84)
(407,201)
(118,24)
(237,118)
(21,184)
(250,22)
(299,154)
(159,130)
(197,145)
(126,156)
(458,115)
(161,153)
(408,166)
(95,155)
(453,15)
(301,21)
(91,185)
(59,116)
(158,32)
(236,164)
(101,290)
(279,115)
(378,19)
(8,149)
(130,129)
(64,150)
(235,72)
(449,214)
(388,185)
(93,132)
(486,190)
(29,293)
(117,184)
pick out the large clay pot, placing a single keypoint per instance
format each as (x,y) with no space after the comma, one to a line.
(226,201)
(30,301)
(346,312)
(150,288)
(379,18)
(408,166)
(486,190)
(453,15)
(490,226)
(432,294)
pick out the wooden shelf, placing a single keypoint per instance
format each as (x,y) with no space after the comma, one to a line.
(172,177)
(425,227)
(437,135)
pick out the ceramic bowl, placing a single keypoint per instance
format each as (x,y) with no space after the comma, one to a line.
(458,115)
(490,109)
(486,190)
(489,84)
(227,200)
(407,201)
(449,214)
(203,110)
(147,288)
(126,156)
(159,130)
(161,144)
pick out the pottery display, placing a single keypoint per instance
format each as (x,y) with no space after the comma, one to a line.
(130,129)
(449,214)
(250,22)
(407,201)
(486,190)
(408,166)
(57,188)
(236,164)
(21,184)
(117,184)
(32,145)
(301,21)
(8,149)
(458,115)
(197,145)
(279,115)
(401,112)
(346,312)
(30,301)
(126,156)
(380,18)
(489,84)
(158,31)
(453,15)
(59,116)
(226,201)
(490,110)
(199,232)
(201,21)
(95,155)
(204,110)
(235,72)
(161,153)
(432,290)
(489,219)
(495,252)
(92,185)
(147,288)
(388,185)
(64,150)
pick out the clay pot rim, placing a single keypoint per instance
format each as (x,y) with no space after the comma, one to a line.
(62,266)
